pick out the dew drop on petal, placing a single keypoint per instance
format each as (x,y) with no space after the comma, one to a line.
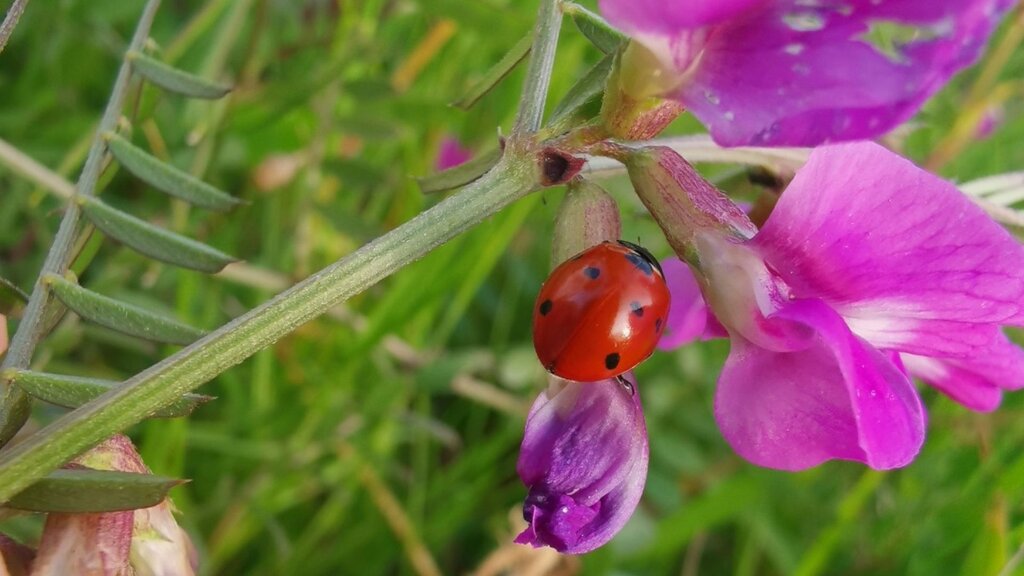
(801,69)
(729,115)
(793,49)
(712,98)
(804,21)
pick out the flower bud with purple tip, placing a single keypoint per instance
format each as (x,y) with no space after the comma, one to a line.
(584,458)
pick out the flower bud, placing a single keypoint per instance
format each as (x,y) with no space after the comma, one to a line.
(584,458)
(145,542)
(587,217)
(632,108)
(85,544)
(15,559)
(680,200)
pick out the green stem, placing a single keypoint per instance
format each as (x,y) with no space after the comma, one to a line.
(14,403)
(24,463)
(10,21)
(538,71)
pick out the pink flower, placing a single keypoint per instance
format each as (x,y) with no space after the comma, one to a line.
(584,459)
(451,153)
(794,72)
(868,269)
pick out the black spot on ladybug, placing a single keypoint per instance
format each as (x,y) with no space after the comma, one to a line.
(636,308)
(611,361)
(657,325)
(592,272)
(640,263)
(545,307)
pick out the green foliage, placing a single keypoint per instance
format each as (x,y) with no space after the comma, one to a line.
(174,80)
(424,378)
(167,178)
(73,391)
(85,490)
(117,315)
(151,240)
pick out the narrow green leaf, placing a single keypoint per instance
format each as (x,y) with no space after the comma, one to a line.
(167,178)
(11,297)
(151,240)
(86,490)
(496,74)
(600,33)
(459,175)
(119,316)
(584,90)
(174,80)
(73,391)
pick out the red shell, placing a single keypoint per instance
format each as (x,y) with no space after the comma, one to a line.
(600,313)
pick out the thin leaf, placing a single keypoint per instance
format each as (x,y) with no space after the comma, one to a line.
(459,175)
(167,178)
(11,297)
(120,316)
(153,241)
(73,391)
(86,490)
(600,33)
(496,74)
(174,80)
(584,90)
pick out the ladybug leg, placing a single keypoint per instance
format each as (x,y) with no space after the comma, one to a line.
(626,384)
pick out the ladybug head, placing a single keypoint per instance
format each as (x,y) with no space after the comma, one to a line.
(644,254)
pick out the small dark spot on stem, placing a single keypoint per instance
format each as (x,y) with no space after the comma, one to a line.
(558,167)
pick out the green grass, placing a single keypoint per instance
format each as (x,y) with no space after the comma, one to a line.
(289,464)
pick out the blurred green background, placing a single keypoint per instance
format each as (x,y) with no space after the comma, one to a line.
(382,438)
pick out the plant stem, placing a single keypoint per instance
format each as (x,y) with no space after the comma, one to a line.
(14,403)
(22,464)
(538,71)
(10,21)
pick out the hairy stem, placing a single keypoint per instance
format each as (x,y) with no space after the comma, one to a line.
(22,464)
(14,403)
(538,71)
(10,21)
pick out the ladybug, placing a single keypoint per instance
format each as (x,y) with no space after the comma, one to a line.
(600,313)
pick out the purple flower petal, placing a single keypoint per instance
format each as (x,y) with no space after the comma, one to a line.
(636,17)
(838,399)
(688,315)
(792,72)
(451,154)
(904,256)
(584,458)
(976,382)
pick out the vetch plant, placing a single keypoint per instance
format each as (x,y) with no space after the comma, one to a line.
(868,272)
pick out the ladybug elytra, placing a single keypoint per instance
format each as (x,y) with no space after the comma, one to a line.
(601,312)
